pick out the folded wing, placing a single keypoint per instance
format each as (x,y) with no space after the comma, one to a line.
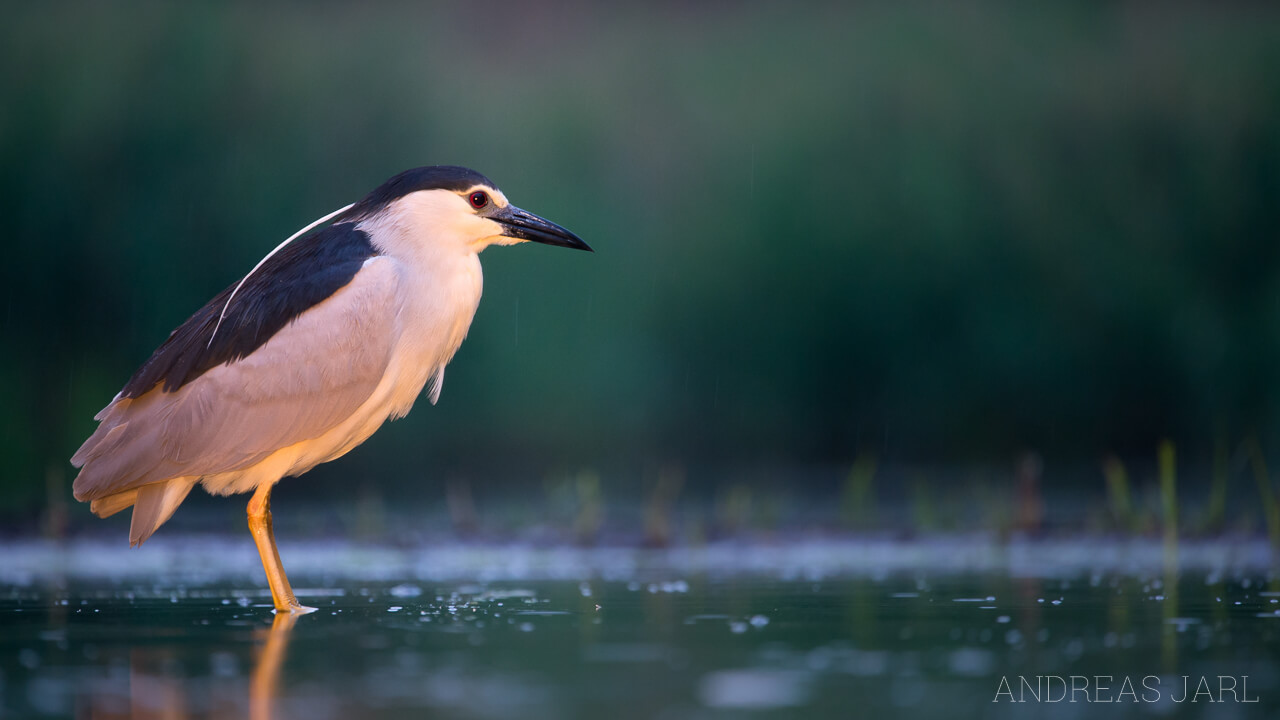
(308,376)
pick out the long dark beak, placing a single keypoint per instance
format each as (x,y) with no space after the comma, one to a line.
(517,223)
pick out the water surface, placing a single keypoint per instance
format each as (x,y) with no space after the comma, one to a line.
(829,629)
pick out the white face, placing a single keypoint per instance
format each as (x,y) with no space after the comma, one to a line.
(433,221)
(483,201)
(441,219)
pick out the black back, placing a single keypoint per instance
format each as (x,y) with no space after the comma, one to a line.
(300,275)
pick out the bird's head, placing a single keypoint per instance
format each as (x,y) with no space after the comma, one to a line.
(455,206)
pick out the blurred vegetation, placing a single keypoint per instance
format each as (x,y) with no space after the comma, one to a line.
(906,233)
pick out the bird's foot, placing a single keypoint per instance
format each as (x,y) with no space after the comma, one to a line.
(295,610)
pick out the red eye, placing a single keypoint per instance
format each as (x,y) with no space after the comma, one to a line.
(478,199)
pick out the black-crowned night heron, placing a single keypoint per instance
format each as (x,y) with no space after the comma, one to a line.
(332,333)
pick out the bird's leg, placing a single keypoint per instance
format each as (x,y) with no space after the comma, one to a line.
(260,525)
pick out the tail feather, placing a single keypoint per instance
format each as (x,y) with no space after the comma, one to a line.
(155,504)
(112,504)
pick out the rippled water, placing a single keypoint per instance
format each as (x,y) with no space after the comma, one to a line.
(819,630)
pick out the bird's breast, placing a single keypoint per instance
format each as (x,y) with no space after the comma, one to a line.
(437,306)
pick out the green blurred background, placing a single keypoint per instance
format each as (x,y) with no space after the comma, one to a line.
(921,237)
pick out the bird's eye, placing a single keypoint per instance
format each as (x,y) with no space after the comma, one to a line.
(478,199)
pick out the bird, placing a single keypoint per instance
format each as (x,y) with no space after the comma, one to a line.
(337,330)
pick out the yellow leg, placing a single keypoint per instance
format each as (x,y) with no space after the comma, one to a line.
(260,525)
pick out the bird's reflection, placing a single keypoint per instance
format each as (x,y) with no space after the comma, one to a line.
(265,682)
(160,687)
